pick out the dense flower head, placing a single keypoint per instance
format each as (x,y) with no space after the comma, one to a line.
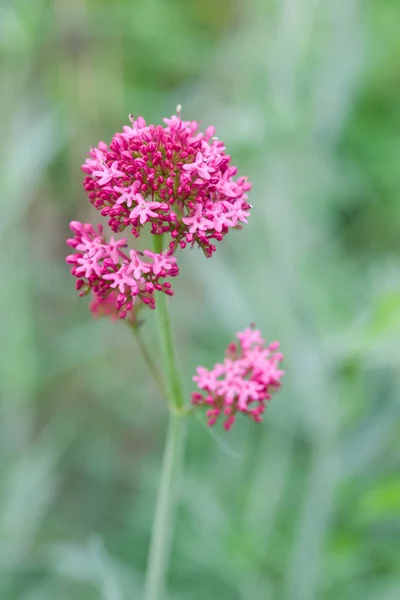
(104,268)
(175,178)
(243,382)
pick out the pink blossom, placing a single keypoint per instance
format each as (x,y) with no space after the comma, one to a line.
(243,383)
(107,173)
(127,195)
(198,222)
(144,210)
(161,262)
(113,248)
(199,167)
(237,211)
(218,217)
(122,280)
(250,337)
(137,266)
(88,265)
(169,177)
(102,268)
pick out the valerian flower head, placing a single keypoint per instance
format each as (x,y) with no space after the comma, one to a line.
(243,382)
(106,269)
(176,179)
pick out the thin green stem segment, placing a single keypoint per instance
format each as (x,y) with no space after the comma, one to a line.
(175,395)
(161,535)
(149,360)
(162,528)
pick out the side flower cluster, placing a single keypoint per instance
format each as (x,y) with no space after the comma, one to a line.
(173,177)
(243,382)
(104,268)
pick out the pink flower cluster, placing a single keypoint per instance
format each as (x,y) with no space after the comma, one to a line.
(243,382)
(173,177)
(102,267)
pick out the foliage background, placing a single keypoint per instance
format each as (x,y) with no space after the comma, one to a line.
(306,95)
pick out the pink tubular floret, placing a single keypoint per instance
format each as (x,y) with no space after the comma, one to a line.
(243,382)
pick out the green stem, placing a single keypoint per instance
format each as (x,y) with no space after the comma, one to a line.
(164,326)
(161,535)
(149,360)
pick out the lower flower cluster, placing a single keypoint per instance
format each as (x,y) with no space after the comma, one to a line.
(104,268)
(243,382)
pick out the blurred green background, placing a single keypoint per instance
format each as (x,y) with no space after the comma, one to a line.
(306,96)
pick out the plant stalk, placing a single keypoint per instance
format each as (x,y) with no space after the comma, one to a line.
(147,357)
(161,535)
(175,395)
(162,528)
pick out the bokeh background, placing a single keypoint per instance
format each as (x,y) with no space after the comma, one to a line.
(306,95)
